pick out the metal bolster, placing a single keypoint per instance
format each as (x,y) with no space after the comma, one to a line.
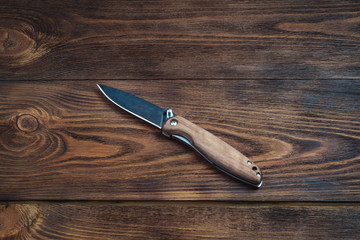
(167,114)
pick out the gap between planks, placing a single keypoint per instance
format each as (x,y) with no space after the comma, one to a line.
(187,203)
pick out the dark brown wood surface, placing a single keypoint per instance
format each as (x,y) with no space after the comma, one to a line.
(198,39)
(114,176)
(179,220)
(65,140)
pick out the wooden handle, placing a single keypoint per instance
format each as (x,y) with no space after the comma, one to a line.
(219,153)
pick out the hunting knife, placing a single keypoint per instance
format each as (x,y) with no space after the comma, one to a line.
(220,154)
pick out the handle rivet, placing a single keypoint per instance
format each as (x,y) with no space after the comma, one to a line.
(249,162)
(258,175)
(173,122)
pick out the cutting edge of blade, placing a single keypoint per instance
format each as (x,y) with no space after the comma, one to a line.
(99,86)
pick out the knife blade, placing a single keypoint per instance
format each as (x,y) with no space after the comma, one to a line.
(220,154)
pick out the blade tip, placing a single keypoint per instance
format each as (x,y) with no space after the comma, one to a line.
(100,86)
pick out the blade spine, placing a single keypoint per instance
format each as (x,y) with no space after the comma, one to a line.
(136,115)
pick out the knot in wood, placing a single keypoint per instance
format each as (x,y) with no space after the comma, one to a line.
(18,220)
(14,43)
(27,123)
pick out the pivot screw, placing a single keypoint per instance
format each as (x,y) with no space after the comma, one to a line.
(173,122)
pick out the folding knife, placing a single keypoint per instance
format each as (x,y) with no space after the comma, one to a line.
(220,154)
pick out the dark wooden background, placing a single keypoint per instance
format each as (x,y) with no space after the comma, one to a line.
(278,80)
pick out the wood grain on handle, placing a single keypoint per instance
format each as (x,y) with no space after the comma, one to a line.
(219,153)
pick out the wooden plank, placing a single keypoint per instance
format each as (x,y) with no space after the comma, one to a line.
(179,39)
(65,140)
(131,220)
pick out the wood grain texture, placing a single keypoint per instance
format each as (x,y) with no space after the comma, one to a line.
(60,139)
(216,151)
(197,39)
(65,140)
(184,220)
